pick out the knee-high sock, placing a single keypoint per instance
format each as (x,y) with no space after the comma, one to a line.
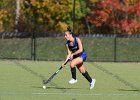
(86,75)
(73,72)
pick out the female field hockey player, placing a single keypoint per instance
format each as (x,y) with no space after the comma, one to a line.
(77,55)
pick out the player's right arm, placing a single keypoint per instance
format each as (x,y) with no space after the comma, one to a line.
(68,54)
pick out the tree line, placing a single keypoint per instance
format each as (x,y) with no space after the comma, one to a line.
(85,17)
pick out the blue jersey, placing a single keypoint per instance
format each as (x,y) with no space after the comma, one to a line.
(74,47)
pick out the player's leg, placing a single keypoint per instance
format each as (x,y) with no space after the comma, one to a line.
(85,74)
(73,73)
(73,63)
(79,63)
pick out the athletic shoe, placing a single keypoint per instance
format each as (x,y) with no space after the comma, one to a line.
(92,84)
(72,81)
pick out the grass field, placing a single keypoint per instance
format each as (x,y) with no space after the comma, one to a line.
(22,80)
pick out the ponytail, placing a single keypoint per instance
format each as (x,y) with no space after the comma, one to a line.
(68,30)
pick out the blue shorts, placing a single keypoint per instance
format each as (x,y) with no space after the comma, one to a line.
(83,55)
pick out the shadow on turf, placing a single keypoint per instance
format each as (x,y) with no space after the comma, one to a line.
(134,90)
(117,77)
(53,85)
(50,87)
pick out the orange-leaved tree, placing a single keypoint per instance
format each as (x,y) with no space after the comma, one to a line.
(114,16)
(3,17)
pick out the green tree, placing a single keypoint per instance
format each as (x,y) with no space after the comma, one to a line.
(50,15)
(7,15)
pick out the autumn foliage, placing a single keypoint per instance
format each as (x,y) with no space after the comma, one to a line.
(3,16)
(119,16)
(91,16)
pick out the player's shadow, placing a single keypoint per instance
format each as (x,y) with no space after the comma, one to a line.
(52,87)
(63,88)
(134,90)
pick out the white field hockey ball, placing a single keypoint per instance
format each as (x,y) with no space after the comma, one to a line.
(44,87)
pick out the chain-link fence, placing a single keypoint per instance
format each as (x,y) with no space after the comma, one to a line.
(99,47)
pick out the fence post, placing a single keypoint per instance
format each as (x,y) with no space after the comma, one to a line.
(115,48)
(33,47)
(33,51)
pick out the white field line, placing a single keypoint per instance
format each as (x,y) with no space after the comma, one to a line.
(71,94)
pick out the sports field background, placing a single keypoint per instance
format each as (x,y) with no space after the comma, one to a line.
(22,80)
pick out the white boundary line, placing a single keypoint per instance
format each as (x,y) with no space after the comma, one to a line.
(71,94)
(94,94)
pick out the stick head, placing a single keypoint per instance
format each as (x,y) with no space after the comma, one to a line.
(43,81)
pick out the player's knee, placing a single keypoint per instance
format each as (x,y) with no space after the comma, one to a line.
(72,65)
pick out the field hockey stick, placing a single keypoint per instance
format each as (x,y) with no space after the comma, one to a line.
(47,81)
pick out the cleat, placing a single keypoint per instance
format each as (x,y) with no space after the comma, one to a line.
(92,84)
(72,81)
